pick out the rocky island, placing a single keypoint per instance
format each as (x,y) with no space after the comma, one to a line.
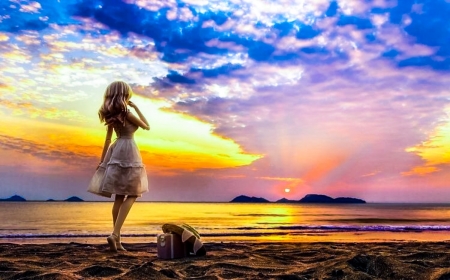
(309,198)
(74,199)
(16,198)
(243,198)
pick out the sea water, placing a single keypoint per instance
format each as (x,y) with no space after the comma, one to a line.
(227,222)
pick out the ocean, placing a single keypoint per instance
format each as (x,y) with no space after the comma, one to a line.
(46,222)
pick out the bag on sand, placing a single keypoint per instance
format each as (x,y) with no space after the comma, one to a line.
(170,246)
(189,236)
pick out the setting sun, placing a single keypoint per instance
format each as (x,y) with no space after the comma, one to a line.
(287,190)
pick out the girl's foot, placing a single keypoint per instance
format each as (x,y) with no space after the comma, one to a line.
(119,244)
(120,247)
(112,242)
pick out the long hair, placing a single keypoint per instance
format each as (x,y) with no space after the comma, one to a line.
(114,107)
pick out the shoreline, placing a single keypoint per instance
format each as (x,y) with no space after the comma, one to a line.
(277,237)
(231,260)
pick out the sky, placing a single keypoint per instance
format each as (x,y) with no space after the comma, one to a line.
(262,98)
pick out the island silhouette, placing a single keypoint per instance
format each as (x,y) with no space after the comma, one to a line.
(13,198)
(309,198)
(18,198)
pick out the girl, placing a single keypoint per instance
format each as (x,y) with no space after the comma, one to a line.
(121,171)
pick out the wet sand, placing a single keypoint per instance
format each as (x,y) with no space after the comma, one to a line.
(386,260)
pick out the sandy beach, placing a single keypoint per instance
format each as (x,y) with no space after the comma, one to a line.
(399,260)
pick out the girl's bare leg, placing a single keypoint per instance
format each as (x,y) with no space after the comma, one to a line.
(116,207)
(115,212)
(120,219)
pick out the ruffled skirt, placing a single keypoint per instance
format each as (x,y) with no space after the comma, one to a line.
(122,171)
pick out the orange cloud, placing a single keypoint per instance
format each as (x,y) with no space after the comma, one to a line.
(421,170)
(46,157)
(298,180)
(434,151)
(4,88)
(176,143)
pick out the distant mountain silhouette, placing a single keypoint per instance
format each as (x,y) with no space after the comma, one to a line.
(348,200)
(244,198)
(74,199)
(285,200)
(316,198)
(50,200)
(13,198)
(309,198)
(320,198)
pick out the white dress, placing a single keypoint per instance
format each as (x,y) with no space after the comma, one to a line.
(122,171)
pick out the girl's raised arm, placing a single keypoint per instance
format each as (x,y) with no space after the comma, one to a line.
(141,121)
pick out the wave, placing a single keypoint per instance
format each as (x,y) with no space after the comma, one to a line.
(345,228)
(385,221)
(249,231)
(63,236)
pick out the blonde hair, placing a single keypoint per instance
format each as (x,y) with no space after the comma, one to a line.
(114,107)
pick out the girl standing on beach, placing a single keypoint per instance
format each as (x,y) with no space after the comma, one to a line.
(121,171)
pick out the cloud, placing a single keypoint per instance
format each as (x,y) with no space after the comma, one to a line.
(74,65)
(31,156)
(33,15)
(179,31)
(177,78)
(31,7)
(421,170)
(44,151)
(326,91)
(434,151)
(179,40)
(31,110)
(357,90)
